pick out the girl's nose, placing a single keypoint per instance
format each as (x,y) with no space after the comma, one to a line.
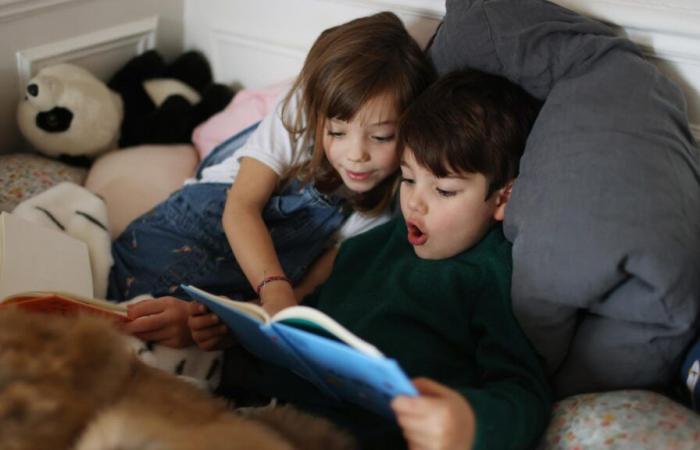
(357,152)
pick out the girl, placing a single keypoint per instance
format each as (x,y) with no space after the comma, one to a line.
(323,166)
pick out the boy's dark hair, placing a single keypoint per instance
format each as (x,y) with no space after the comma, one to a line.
(470,121)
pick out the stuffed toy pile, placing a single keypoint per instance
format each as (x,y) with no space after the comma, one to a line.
(69,114)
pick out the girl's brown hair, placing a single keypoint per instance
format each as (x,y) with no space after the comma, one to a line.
(348,65)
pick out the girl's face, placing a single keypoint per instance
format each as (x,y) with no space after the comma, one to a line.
(363,149)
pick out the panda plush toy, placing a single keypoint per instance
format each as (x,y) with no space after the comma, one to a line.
(71,115)
(163,103)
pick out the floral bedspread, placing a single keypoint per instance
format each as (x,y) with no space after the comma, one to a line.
(629,419)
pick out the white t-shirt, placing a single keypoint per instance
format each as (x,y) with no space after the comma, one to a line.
(273,146)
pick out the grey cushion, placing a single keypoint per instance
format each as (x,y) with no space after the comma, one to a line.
(605,215)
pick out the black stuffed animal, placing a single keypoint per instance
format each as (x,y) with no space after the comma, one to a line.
(163,103)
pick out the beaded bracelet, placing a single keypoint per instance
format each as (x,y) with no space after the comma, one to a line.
(270,279)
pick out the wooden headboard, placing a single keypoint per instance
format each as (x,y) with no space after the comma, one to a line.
(265,41)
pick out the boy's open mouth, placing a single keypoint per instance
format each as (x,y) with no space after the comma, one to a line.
(415,234)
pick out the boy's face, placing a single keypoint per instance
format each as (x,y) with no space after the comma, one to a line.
(446,216)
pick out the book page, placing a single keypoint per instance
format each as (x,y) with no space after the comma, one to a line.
(310,318)
(36,258)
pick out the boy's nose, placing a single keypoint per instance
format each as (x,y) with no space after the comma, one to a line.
(416,203)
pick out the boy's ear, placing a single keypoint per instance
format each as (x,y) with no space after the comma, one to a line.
(502,197)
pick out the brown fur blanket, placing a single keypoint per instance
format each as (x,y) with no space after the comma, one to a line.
(72,383)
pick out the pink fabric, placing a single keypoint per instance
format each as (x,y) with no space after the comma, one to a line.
(247,107)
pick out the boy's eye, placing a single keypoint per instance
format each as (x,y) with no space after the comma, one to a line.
(406,180)
(383,138)
(444,193)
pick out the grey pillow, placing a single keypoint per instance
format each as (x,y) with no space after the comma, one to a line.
(605,215)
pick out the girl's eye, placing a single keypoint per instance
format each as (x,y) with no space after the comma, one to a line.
(444,193)
(383,138)
(335,134)
(406,180)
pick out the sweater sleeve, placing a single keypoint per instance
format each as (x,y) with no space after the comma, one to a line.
(513,401)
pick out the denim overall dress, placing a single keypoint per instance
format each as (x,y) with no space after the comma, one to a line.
(182,240)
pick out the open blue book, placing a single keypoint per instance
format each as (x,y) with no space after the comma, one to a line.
(317,348)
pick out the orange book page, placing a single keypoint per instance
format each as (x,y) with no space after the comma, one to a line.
(55,304)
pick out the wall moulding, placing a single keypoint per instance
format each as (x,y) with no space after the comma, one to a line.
(15,9)
(130,39)
(228,46)
(222,36)
(666,16)
(433,9)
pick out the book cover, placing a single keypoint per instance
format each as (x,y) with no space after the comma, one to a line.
(65,304)
(34,257)
(316,347)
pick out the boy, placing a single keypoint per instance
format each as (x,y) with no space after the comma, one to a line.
(432,289)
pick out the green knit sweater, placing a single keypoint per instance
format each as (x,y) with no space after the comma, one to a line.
(450,320)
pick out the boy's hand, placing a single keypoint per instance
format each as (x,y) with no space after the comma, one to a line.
(207,330)
(440,418)
(162,320)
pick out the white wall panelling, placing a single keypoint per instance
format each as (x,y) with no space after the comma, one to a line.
(100,52)
(13,9)
(425,8)
(266,62)
(256,43)
(420,16)
(665,16)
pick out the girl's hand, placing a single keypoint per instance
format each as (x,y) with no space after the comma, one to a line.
(439,419)
(207,330)
(161,320)
(276,296)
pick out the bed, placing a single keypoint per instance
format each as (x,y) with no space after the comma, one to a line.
(589,311)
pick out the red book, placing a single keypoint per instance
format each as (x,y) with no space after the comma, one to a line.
(66,304)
